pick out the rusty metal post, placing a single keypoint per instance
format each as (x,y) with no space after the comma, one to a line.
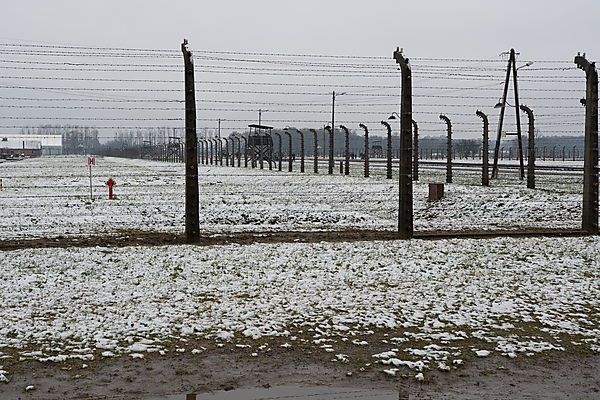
(590,156)
(389,149)
(415,151)
(192,216)
(301,150)
(485,173)
(405,206)
(449,151)
(366,149)
(530,148)
(346,150)
(315,154)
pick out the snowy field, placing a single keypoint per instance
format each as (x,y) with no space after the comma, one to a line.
(431,304)
(50,197)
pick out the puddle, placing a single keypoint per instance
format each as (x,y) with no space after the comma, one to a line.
(290,393)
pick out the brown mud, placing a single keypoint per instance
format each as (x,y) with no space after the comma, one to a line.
(245,238)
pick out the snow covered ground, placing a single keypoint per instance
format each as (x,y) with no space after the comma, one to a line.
(440,303)
(50,197)
(443,301)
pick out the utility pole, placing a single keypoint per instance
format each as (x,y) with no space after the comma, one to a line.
(192,222)
(590,160)
(512,67)
(405,206)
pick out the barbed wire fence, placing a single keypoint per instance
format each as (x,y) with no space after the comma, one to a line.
(134,99)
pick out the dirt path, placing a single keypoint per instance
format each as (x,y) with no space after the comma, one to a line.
(160,239)
(548,376)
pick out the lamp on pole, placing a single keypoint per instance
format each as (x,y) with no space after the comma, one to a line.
(331,162)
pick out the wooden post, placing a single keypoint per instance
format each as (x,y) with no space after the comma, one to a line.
(192,222)
(405,206)
(590,156)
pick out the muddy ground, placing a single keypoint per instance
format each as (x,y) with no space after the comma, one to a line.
(556,375)
(244,238)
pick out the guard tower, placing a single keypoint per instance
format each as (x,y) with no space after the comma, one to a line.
(260,145)
(377,149)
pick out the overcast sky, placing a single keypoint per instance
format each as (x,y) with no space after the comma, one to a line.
(469,29)
(549,29)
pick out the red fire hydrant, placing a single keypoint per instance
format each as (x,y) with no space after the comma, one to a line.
(110,184)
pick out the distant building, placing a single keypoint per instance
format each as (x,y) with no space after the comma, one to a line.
(14,146)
